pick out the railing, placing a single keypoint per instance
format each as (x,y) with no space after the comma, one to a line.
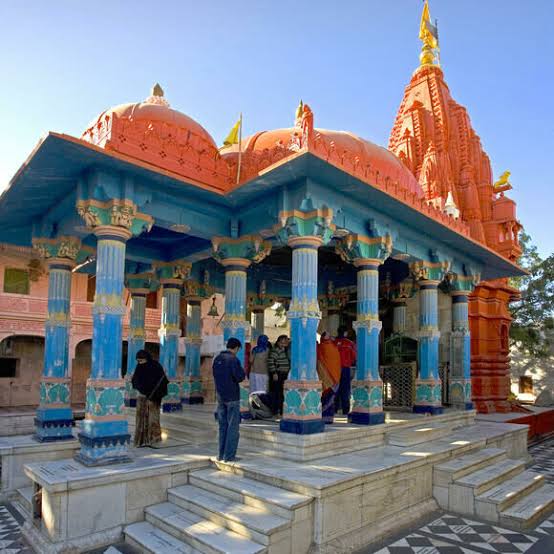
(399,384)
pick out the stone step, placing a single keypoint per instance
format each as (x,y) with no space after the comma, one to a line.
(147,538)
(250,492)
(446,472)
(25,497)
(256,523)
(529,511)
(418,435)
(462,492)
(489,504)
(204,535)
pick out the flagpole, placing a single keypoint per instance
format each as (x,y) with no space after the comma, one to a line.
(240,148)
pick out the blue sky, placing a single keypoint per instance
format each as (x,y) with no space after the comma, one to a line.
(63,62)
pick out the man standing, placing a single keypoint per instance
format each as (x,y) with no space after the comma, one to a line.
(228,373)
(347,351)
(278,366)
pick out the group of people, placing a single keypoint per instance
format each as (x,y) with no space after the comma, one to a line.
(267,368)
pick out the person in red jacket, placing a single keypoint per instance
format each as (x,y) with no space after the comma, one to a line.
(347,351)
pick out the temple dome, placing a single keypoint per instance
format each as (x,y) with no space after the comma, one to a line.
(341,148)
(153,132)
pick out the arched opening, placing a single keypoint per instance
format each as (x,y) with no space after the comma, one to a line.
(21,362)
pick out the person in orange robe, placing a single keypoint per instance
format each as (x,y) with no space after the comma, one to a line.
(329,370)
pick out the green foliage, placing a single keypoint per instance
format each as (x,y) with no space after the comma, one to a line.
(533,312)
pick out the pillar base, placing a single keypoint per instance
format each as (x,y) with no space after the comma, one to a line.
(130,393)
(302,408)
(367,402)
(170,407)
(54,424)
(302,426)
(460,394)
(244,400)
(433,410)
(103,450)
(193,400)
(361,418)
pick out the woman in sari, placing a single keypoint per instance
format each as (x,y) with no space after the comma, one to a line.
(328,369)
(150,381)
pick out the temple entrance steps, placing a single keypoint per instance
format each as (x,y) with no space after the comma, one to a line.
(221,511)
(419,435)
(488,485)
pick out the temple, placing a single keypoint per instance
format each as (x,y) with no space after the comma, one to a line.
(411,246)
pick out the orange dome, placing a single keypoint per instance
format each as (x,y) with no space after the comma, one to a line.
(341,148)
(153,132)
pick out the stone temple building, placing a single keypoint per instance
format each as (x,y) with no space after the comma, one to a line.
(411,246)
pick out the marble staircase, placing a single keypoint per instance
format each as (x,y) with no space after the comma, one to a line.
(490,486)
(223,512)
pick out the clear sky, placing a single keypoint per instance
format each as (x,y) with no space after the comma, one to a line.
(63,62)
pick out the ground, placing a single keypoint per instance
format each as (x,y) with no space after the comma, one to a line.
(442,533)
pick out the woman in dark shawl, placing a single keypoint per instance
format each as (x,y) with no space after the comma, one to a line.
(150,381)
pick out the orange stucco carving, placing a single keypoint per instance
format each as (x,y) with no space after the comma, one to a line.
(433,136)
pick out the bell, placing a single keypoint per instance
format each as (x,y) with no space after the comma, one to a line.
(212,312)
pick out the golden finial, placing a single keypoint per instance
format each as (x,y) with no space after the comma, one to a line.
(157,90)
(299,110)
(428,34)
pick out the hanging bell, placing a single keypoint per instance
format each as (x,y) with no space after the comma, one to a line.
(212,312)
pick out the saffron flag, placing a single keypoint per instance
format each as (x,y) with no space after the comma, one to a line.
(233,136)
(427,31)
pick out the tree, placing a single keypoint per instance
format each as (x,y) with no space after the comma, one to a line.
(533,312)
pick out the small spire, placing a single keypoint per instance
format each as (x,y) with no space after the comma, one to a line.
(157,90)
(299,110)
(428,34)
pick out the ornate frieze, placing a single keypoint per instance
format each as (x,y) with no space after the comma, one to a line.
(249,247)
(62,247)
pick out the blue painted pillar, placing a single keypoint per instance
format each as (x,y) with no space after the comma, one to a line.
(460,353)
(367,388)
(234,323)
(399,317)
(169,334)
(54,418)
(104,433)
(302,406)
(428,384)
(135,341)
(192,383)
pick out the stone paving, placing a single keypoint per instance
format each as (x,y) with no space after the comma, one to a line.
(443,534)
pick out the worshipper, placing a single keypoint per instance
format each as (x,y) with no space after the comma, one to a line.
(347,351)
(258,365)
(150,381)
(328,369)
(228,373)
(278,364)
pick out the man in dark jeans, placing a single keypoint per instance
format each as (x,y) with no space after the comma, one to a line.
(228,373)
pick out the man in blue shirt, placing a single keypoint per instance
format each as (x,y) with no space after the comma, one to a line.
(228,373)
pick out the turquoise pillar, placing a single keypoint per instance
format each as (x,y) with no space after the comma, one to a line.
(234,323)
(428,384)
(302,406)
(169,334)
(367,387)
(192,383)
(104,433)
(135,340)
(460,353)
(54,418)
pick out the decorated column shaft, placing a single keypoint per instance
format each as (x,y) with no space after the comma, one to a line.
(192,383)
(399,317)
(104,432)
(258,327)
(367,254)
(236,255)
(428,384)
(258,303)
(460,342)
(138,286)
(54,418)
(304,230)
(302,406)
